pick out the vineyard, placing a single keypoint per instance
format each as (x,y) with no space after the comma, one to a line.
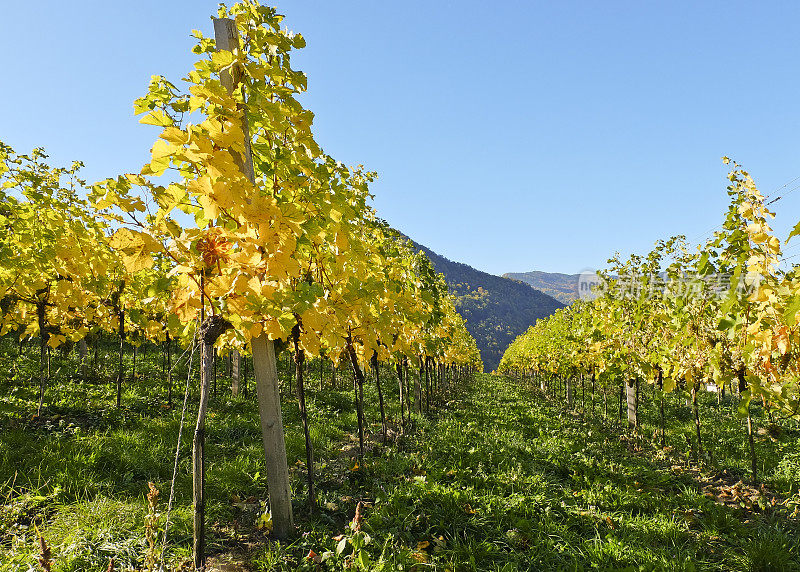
(229,361)
(239,235)
(677,324)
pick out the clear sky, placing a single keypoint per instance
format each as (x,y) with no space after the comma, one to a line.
(511,136)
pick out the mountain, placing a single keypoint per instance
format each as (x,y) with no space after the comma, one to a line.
(562,287)
(496,309)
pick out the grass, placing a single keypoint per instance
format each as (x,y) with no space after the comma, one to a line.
(498,479)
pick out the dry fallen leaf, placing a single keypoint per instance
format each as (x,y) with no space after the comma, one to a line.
(314,557)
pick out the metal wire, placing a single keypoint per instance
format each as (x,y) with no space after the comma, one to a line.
(178,445)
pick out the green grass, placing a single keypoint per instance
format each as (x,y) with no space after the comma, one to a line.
(499,478)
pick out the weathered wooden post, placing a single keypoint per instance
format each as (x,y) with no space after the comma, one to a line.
(264,366)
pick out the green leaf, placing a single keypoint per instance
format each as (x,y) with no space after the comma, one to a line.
(729,302)
(703,267)
(744,403)
(726,324)
(363,560)
(287,321)
(790,313)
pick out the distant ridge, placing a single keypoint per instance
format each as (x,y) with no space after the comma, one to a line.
(562,287)
(496,309)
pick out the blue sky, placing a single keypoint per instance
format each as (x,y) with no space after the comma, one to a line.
(511,136)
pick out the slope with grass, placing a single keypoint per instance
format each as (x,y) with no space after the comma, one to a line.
(498,478)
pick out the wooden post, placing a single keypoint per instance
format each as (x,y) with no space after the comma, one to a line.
(418,387)
(243,361)
(269,410)
(407,391)
(41,310)
(399,368)
(427,386)
(376,369)
(568,383)
(236,367)
(630,395)
(696,412)
(83,351)
(120,357)
(264,366)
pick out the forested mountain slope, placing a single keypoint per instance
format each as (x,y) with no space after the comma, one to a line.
(496,309)
(562,287)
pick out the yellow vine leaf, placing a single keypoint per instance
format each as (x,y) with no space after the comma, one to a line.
(157,117)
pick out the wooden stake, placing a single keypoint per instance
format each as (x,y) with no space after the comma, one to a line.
(264,366)
(236,368)
(630,395)
(269,410)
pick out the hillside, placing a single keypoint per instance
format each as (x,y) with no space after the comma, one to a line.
(496,309)
(562,287)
